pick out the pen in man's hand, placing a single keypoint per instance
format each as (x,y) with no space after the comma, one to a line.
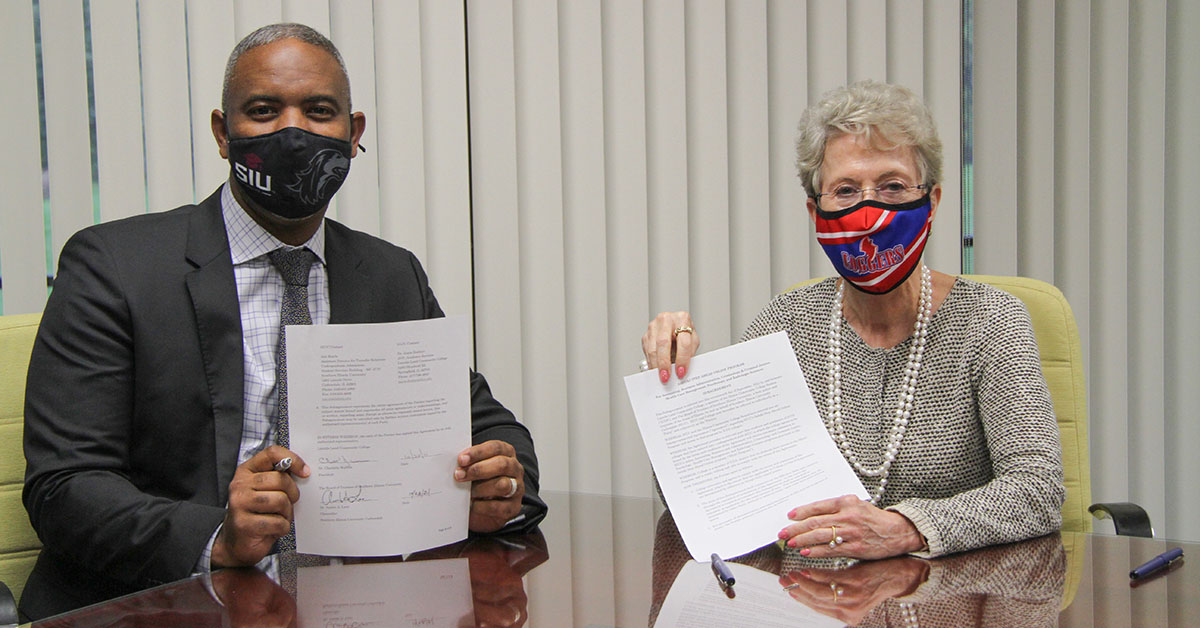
(283,465)
(1156,564)
(721,571)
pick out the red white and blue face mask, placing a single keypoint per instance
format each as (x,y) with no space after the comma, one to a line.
(874,245)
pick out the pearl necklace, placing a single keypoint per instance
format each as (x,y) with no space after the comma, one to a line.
(833,419)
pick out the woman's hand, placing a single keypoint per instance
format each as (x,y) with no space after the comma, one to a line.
(670,338)
(865,531)
(849,595)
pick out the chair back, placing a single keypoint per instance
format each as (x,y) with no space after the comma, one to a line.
(1062,365)
(19,545)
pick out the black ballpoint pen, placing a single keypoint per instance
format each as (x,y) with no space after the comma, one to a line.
(721,571)
(1156,564)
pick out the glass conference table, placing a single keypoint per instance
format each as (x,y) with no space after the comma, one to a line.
(602,561)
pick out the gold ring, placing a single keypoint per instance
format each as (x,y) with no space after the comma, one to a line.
(837,539)
(684,330)
(833,586)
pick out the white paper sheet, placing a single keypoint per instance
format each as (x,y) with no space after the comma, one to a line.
(380,412)
(737,444)
(696,600)
(434,593)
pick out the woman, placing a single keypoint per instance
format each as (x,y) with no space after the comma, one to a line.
(930,384)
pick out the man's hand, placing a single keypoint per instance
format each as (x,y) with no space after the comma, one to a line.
(253,599)
(497,484)
(260,508)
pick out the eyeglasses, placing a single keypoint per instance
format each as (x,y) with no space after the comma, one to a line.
(845,195)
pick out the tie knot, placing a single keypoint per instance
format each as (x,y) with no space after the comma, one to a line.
(293,264)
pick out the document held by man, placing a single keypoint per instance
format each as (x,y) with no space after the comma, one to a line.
(737,444)
(433,593)
(380,412)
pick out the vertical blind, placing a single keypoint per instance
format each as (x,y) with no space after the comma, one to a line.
(630,157)
(152,73)
(1086,143)
(564,169)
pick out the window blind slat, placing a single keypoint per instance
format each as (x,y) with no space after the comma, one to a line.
(1182,160)
(401,148)
(251,14)
(314,13)
(867,47)
(792,234)
(23,238)
(585,241)
(210,40)
(942,72)
(167,114)
(68,136)
(540,223)
(118,95)
(1147,183)
(749,163)
(666,137)
(447,185)
(626,37)
(495,199)
(358,200)
(708,169)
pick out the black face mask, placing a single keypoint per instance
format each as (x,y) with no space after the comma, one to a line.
(291,173)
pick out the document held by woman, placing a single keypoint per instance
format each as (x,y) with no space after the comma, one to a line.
(380,412)
(737,444)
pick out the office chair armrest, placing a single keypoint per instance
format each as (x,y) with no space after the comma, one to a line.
(1129,518)
(8,607)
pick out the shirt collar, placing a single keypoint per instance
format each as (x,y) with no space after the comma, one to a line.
(248,240)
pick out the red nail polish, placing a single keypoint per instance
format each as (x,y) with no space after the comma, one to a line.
(805,552)
(664,375)
(680,371)
(783,534)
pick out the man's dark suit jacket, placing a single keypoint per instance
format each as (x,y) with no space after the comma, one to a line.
(133,411)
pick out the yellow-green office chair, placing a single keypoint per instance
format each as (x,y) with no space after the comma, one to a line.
(18,544)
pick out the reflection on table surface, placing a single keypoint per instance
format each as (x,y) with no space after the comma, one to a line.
(615,561)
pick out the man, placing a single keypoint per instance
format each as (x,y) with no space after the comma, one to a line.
(151,407)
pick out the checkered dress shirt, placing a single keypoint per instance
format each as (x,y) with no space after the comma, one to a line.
(260,297)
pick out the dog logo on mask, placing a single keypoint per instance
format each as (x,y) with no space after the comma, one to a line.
(327,168)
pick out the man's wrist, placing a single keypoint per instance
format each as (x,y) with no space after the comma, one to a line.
(221,557)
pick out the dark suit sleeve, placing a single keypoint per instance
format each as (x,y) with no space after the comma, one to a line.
(90,501)
(490,420)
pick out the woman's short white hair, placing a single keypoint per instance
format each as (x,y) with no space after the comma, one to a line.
(886,116)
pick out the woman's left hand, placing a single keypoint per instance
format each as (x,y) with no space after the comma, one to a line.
(849,595)
(865,531)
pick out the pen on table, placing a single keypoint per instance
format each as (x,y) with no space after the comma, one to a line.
(283,465)
(1156,564)
(721,571)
